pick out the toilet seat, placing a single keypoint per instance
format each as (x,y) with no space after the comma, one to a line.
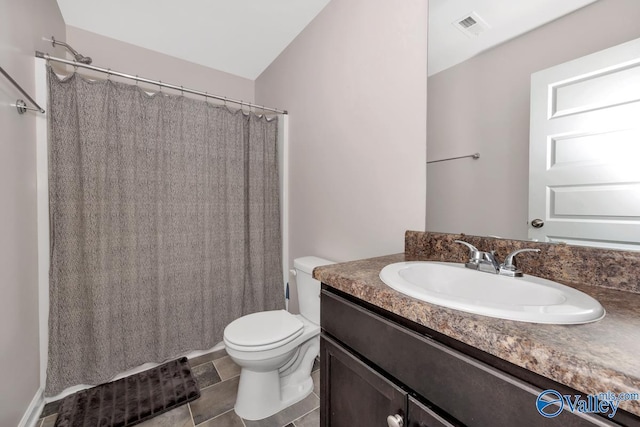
(263,331)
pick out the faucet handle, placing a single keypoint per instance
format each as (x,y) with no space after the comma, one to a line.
(475,256)
(508,268)
(469,245)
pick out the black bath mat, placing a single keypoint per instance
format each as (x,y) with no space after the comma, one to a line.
(131,400)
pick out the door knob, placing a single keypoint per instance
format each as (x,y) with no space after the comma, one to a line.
(395,421)
(537,223)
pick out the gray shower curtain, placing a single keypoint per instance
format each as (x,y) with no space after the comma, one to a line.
(165,226)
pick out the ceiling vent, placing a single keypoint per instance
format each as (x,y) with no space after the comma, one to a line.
(471,24)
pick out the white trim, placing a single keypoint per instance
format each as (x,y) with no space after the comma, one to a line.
(283,160)
(42,196)
(32,414)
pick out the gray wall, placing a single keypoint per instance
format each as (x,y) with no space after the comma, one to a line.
(127,58)
(22,25)
(354,82)
(483,105)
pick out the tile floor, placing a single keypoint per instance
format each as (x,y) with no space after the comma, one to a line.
(217,377)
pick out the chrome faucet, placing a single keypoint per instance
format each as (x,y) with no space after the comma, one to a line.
(486,261)
(479,260)
(490,264)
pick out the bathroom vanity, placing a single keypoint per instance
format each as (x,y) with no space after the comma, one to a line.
(388,358)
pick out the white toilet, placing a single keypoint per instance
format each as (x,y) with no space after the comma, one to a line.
(276,349)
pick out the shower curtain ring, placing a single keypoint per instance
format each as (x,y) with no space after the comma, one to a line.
(206,97)
(160,84)
(109,74)
(137,80)
(182,90)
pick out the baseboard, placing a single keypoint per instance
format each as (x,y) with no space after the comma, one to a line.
(32,414)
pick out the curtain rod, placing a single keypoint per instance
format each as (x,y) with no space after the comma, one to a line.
(20,104)
(156,83)
(474,155)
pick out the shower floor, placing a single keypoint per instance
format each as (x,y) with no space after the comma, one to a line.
(218,380)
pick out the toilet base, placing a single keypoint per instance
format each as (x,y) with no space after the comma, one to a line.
(258,399)
(262,394)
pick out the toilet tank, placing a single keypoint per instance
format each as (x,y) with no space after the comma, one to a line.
(308,287)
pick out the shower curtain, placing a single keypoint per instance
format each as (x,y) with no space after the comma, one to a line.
(165,226)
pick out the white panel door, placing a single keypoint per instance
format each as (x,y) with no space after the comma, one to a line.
(584,155)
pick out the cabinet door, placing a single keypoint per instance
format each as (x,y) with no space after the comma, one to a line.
(353,394)
(421,416)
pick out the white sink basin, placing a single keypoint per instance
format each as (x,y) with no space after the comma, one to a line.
(527,299)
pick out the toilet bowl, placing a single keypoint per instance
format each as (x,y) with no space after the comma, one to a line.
(276,349)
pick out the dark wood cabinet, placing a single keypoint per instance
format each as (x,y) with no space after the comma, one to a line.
(360,396)
(373,367)
(421,416)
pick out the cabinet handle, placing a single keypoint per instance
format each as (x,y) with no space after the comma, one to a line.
(395,421)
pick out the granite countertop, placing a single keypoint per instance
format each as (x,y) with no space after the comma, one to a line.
(592,358)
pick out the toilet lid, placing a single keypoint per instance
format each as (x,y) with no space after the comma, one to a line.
(264,330)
